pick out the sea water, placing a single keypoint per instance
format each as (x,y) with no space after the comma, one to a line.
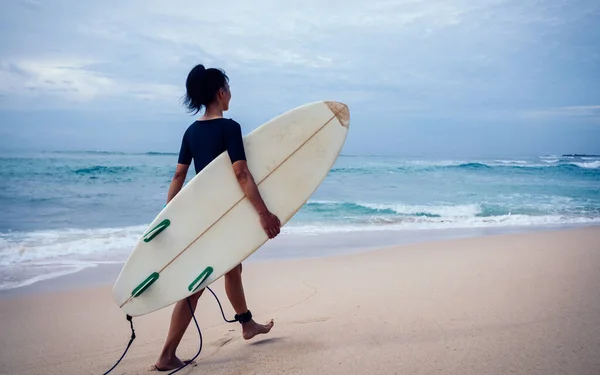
(65,211)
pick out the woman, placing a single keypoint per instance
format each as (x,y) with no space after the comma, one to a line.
(204,140)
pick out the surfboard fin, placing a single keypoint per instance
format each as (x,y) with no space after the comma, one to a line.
(200,279)
(156,230)
(145,284)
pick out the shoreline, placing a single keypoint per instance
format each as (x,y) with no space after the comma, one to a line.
(287,247)
(523,303)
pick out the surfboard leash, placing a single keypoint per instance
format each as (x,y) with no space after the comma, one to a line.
(238,318)
(130,319)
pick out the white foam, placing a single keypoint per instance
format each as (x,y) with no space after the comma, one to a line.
(103,243)
(427,223)
(518,162)
(588,165)
(112,245)
(310,201)
(448,211)
(488,163)
(47,271)
(45,255)
(434,163)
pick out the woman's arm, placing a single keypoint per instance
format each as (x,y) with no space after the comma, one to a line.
(270,223)
(177,181)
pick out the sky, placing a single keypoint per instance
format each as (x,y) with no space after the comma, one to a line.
(455,77)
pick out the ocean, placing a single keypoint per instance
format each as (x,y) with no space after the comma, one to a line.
(66,211)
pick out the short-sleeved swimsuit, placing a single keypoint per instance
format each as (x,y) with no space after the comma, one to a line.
(204,140)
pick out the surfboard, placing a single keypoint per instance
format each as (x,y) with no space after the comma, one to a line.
(210,226)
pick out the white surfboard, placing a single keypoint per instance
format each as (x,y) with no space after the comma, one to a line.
(211,226)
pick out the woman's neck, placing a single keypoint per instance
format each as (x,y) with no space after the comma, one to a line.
(213,112)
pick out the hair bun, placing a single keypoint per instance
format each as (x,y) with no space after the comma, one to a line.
(199,70)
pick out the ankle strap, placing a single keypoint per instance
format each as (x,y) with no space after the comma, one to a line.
(244,318)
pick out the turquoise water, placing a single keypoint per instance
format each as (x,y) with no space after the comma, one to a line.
(63,210)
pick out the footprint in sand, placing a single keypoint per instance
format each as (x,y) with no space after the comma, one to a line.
(222,342)
(313,320)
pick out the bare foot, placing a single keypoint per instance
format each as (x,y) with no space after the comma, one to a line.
(165,364)
(251,329)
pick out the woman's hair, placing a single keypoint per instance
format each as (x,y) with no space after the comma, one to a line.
(202,85)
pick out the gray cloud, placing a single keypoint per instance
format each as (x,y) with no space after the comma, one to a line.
(418,62)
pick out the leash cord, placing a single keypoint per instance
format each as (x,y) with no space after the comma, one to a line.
(129,318)
(128,345)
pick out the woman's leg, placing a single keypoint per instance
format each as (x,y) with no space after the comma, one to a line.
(180,320)
(235,292)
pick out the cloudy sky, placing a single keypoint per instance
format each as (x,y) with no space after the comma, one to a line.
(421,77)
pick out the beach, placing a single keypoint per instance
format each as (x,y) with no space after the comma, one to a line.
(432,166)
(521,303)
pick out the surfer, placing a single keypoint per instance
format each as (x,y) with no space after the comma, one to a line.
(204,140)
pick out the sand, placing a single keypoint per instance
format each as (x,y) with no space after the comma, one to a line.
(502,304)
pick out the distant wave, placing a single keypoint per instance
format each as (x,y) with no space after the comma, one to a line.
(88,152)
(518,162)
(100,152)
(476,166)
(449,165)
(393,209)
(360,209)
(155,153)
(580,156)
(350,210)
(101,169)
(588,165)
(364,216)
